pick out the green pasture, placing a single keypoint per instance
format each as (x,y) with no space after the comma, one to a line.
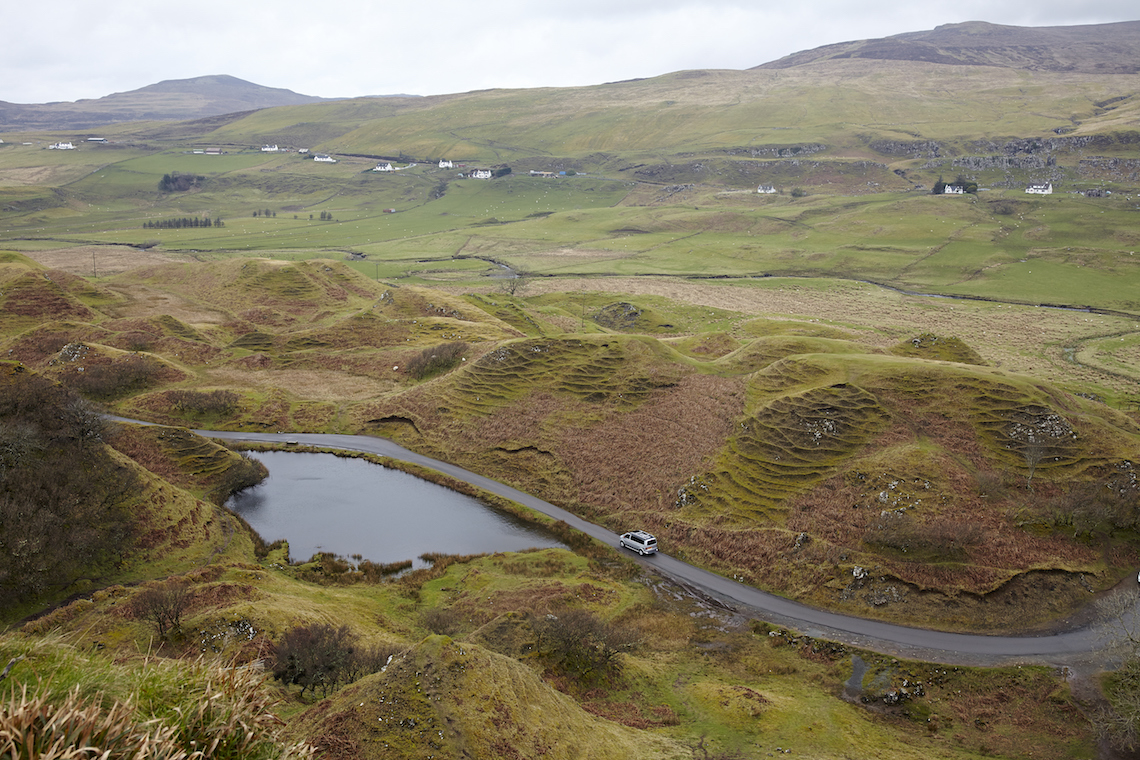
(1062,249)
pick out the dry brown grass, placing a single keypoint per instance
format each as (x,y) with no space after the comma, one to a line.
(144,301)
(633,461)
(103,260)
(311,384)
(1021,339)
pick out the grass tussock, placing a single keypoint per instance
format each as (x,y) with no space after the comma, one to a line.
(153,709)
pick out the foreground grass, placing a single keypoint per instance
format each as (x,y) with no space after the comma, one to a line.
(696,678)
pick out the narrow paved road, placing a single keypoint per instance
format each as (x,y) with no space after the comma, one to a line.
(1080,648)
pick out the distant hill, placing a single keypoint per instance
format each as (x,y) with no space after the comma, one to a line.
(1090,49)
(170,100)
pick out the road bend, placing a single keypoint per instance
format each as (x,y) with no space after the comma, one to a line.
(1082,647)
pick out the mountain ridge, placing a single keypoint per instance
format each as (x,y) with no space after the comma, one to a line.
(1112,48)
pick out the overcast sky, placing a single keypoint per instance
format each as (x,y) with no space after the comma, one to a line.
(67,50)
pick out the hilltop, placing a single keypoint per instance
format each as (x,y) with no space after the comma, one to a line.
(1091,49)
(169,100)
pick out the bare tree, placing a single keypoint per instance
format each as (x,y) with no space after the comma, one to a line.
(1032,452)
(1119,721)
(514,285)
(164,605)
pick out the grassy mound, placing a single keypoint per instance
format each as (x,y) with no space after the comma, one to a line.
(451,699)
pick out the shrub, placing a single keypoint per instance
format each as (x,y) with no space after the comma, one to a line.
(243,473)
(103,381)
(581,645)
(163,605)
(943,537)
(316,655)
(445,621)
(319,655)
(217,402)
(435,359)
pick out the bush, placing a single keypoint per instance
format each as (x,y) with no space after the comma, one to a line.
(218,402)
(103,381)
(163,605)
(312,656)
(582,646)
(243,473)
(435,359)
(319,655)
(444,621)
(947,538)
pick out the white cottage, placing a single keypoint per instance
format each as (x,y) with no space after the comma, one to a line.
(324,158)
(269,148)
(61,146)
(766,189)
(445,164)
(386,167)
(1046,189)
(953,190)
(481,174)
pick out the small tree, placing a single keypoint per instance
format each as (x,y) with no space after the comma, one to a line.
(581,645)
(316,655)
(514,285)
(164,605)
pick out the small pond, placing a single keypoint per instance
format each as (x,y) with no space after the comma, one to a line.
(326,503)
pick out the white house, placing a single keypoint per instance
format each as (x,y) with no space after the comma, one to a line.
(269,149)
(1046,189)
(953,190)
(61,146)
(383,168)
(766,189)
(481,174)
(445,164)
(324,158)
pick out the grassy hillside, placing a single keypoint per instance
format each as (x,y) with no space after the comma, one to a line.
(474,671)
(748,444)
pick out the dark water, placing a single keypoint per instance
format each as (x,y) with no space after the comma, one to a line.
(321,502)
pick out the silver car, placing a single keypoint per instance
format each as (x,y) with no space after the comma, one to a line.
(641,542)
